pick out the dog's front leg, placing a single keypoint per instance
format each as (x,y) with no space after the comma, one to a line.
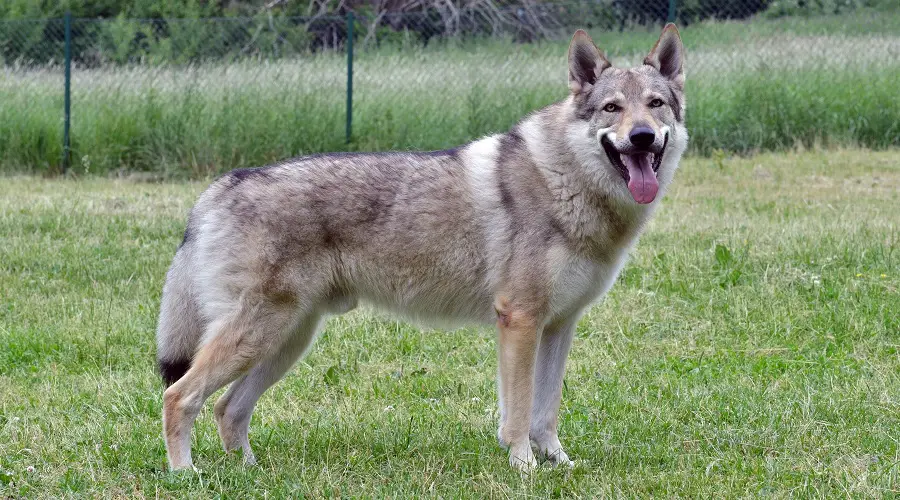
(551,365)
(517,345)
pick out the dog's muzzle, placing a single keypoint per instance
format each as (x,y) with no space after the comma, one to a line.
(638,162)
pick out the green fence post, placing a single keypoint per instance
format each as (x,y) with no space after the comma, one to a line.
(672,11)
(67,98)
(349,75)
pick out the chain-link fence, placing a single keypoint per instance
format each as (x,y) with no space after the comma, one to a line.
(211,94)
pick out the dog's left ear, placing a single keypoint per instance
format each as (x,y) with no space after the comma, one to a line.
(667,55)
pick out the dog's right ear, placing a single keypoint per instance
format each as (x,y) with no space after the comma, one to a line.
(585,63)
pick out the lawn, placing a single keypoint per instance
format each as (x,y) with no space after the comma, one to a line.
(751,347)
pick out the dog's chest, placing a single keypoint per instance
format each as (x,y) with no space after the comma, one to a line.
(577,281)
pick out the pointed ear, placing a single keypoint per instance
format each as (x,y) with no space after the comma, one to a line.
(585,63)
(668,55)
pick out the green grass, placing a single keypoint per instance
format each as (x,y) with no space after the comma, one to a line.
(752,86)
(751,347)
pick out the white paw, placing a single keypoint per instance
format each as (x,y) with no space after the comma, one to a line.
(559,458)
(522,458)
(550,449)
(183,467)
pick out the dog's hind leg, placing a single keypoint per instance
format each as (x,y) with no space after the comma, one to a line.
(236,343)
(234,408)
(549,370)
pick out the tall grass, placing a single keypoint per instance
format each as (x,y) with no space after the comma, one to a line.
(750,87)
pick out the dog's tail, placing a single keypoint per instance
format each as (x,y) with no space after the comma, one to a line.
(180,326)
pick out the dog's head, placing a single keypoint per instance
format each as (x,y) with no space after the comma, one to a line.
(629,123)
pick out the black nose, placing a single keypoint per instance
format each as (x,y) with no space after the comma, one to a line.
(642,137)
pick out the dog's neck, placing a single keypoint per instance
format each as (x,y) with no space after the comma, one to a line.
(598,223)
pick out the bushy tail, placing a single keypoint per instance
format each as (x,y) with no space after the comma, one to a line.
(180,325)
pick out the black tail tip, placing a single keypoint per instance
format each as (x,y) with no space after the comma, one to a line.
(171,371)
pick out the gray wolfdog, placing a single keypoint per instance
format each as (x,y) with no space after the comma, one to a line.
(523,230)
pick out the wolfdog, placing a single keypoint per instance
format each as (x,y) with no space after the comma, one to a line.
(523,229)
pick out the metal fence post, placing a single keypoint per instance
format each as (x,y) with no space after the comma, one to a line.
(349,75)
(67,97)
(672,11)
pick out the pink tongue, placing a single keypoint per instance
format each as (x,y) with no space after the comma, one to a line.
(641,178)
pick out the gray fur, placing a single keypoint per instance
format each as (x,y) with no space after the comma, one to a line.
(523,229)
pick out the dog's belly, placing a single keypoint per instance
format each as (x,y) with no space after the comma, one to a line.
(438,305)
(442,294)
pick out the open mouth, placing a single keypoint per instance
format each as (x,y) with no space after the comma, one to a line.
(638,169)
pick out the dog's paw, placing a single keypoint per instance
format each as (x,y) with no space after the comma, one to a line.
(183,468)
(550,449)
(522,458)
(559,458)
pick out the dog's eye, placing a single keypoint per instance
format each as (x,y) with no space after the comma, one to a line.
(611,108)
(655,103)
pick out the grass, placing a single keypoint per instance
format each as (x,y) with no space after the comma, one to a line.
(752,86)
(751,347)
